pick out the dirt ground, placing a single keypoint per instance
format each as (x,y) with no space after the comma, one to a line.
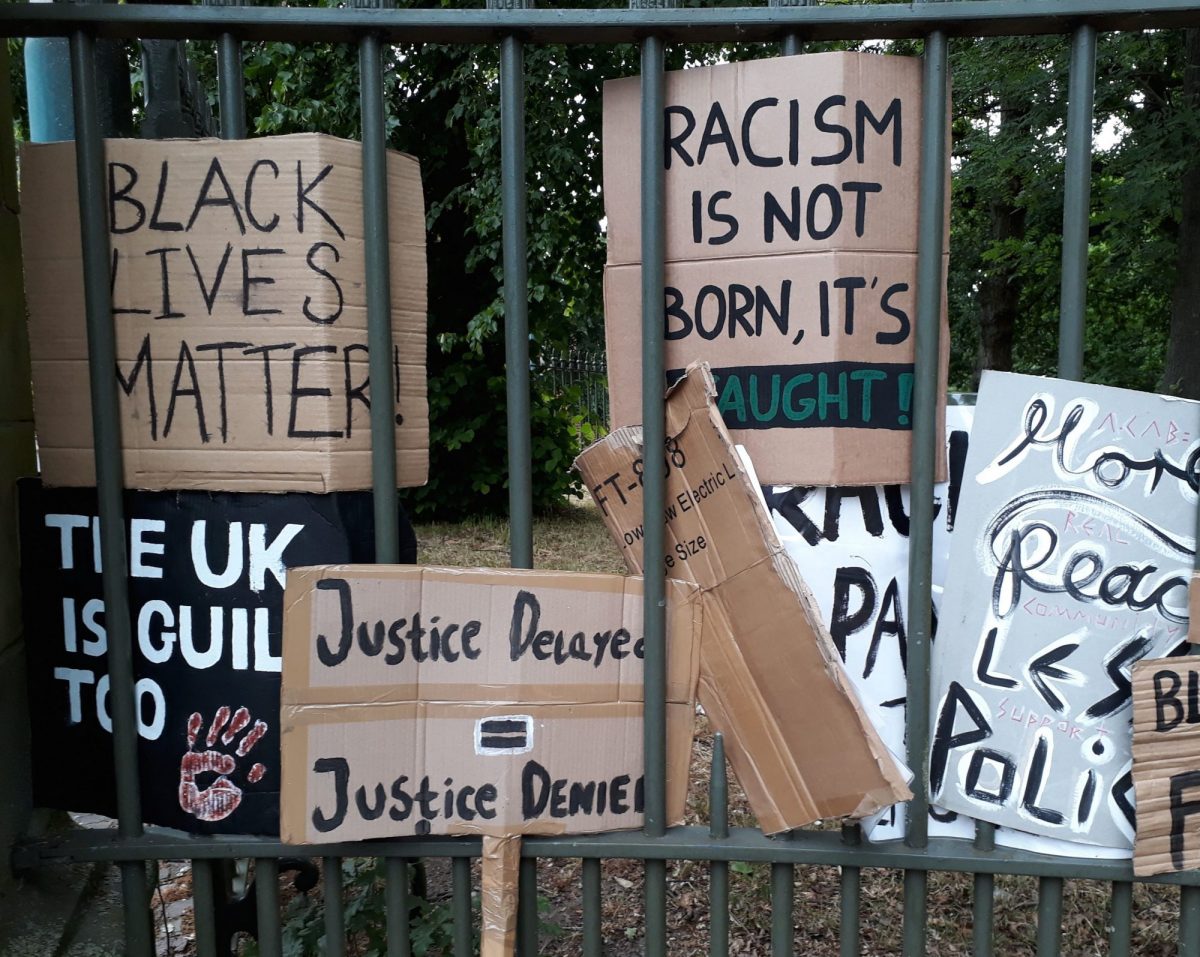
(816,909)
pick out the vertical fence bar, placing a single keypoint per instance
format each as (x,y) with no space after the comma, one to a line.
(527,915)
(850,929)
(379,322)
(106,430)
(1049,927)
(783,904)
(791,40)
(1077,190)
(204,911)
(1072,311)
(926,443)
(230,86)
(1189,921)
(984,899)
(396,902)
(1120,919)
(926,447)
(718,871)
(266,899)
(915,913)
(593,942)
(654,441)
(231,95)
(462,906)
(335,912)
(516,300)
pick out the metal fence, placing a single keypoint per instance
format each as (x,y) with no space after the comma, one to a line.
(511,26)
(580,378)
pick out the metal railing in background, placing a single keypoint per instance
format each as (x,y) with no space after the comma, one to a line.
(371,27)
(580,377)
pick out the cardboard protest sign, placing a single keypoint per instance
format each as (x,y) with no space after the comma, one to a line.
(205,589)
(453,701)
(1070,562)
(1166,765)
(770,675)
(239,299)
(791,236)
(851,547)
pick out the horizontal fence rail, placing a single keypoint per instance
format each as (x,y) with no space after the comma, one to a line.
(684,843)
(371,26)
(834,22)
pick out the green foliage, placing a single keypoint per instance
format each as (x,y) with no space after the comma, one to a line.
(431,925)
(1010,101)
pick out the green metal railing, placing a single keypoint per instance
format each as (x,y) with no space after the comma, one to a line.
(371,26)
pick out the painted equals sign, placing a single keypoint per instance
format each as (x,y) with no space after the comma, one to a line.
(506,734)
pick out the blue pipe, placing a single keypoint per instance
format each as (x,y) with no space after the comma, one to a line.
(48,90)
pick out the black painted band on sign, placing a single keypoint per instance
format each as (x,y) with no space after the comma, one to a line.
(856,395)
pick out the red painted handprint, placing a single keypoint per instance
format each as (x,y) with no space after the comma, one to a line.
(221,798)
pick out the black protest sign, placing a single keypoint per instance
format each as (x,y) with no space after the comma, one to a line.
(206,574)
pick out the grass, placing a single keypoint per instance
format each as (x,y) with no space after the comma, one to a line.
(572,540)
(576,540)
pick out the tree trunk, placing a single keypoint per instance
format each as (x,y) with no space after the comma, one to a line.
(1181,374)
(999,296)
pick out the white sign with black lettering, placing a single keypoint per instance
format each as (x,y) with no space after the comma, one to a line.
(1072,563)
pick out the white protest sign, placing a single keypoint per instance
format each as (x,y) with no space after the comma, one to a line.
(851,547)
(1072,563)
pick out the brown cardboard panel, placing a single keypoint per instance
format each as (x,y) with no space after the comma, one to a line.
(791,236)
(770,678)
(1166,765)
(239,298)
(797,398)
(407,681)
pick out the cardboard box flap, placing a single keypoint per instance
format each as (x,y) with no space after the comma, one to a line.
(769,673)
(428,631)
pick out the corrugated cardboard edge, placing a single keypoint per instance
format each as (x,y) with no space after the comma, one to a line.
(773,821)
(713,690)
(499,874)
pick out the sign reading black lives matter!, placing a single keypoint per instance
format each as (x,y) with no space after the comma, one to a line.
(206,586)
(238,280)
(1070,562)
(791,234)
(495,702)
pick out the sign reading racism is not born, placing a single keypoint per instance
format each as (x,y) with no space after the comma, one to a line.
(1070,562)
(791,237)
